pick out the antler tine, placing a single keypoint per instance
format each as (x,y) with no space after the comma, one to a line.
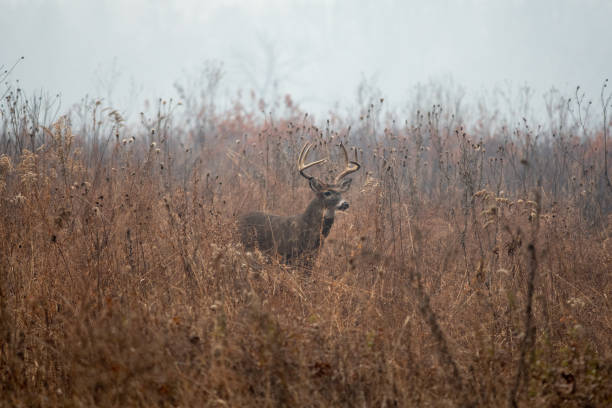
(348,169)
(302,158)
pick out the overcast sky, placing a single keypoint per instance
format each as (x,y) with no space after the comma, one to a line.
(317,50)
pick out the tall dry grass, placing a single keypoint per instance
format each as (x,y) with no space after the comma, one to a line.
(473,268)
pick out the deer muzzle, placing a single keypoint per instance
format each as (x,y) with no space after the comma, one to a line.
(342,205)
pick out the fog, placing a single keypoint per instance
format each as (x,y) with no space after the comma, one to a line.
(317,51)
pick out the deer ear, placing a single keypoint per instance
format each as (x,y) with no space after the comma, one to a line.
(316,185)
(345,184)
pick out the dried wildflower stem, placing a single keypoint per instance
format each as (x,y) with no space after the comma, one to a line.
(522,373)
(445,356)
(429,315)
(605,102)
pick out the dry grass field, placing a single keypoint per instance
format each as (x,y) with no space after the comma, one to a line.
(473,268)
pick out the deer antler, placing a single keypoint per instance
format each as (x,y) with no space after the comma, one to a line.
(348,169)
(302,158)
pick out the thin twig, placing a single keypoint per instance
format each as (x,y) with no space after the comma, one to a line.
(522,373)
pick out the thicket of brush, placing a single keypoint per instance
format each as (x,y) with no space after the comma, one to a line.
(474,266)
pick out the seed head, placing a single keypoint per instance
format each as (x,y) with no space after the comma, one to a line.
(5,164)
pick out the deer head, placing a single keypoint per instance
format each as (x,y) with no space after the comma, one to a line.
(330,195)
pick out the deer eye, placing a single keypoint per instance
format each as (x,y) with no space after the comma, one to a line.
(327,193)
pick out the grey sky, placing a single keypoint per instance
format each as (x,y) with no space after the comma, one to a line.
(320,49)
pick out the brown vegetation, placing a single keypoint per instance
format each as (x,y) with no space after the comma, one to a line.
(472,269)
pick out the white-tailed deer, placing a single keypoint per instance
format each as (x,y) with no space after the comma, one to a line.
(300,236)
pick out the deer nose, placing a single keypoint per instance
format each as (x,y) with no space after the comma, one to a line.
(343,206)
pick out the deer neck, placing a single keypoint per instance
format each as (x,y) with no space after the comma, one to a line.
(317,214)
